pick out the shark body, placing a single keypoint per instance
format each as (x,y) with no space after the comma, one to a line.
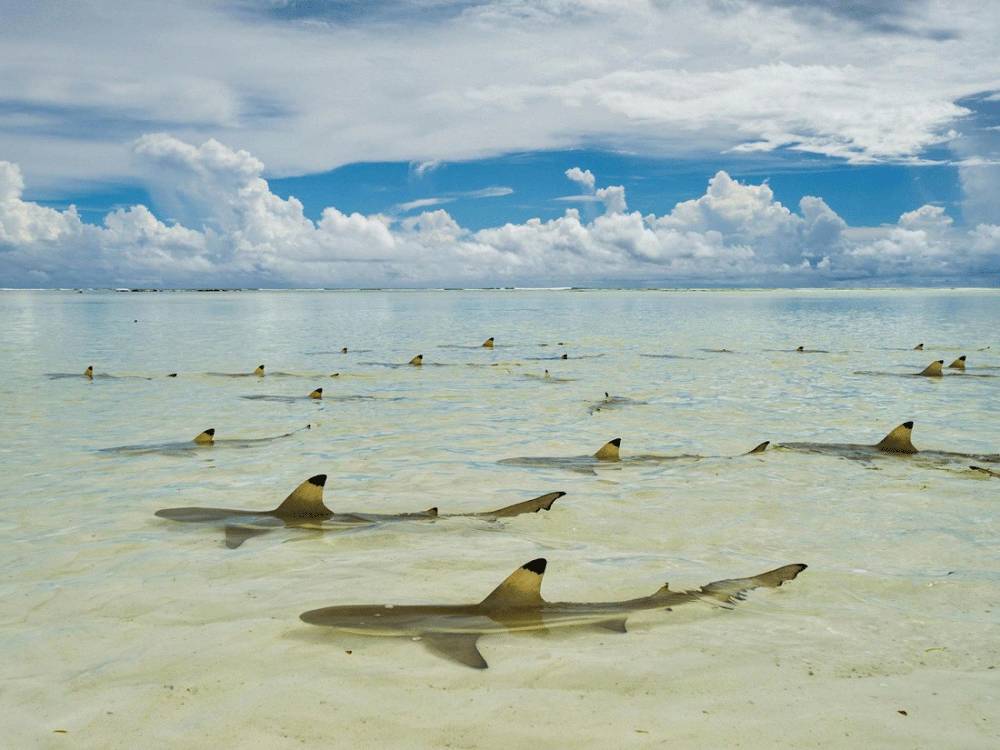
(452,631)
(304,509)
(205,440)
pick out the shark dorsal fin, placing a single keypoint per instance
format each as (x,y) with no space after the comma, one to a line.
(800,348)
(205,438)
(306,500)
(607,396)
(958,364)
(317,394)
(432,512)
(759,448)
(933,370)
(898,441)
(609,451)
(488,344)
(418,360)
(547,375)
(259,371)
(522,588)
(918,348)
(89,372)
(343,350)
(565,356)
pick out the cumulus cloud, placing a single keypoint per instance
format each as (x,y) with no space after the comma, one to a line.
(226,227)
(582,177)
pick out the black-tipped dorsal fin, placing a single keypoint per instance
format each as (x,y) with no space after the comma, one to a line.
(488,344)
(918,348)
(898,441)
(958,364)
(259,371)
(433,512)
(933,369)
(759,448)
(609,451)
(89,372)
(306,500)
(343,350)
(800,348)
(205,438)
(317,394)
(418,360)
(522,588)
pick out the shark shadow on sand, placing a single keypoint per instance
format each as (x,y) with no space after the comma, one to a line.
(305,509)
(452,631)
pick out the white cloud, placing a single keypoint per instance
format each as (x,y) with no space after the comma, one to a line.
(583,177)
(237,232)
(671,79)
(423,203)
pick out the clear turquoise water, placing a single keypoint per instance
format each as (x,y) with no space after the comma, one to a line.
(124,629)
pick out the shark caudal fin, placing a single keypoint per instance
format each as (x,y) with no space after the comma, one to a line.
(89,372)
(543,502)
(205,438)
(306,501)
(522,588)
(958,364)
(918,348)
(609,451)
(317,394)
(898,441)
(259,371)
(933,370)
(488,344)
(758,449)
(733,590)
(417,361)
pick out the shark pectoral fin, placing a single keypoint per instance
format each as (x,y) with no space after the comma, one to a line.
(544,502)
(615,626)
(460,647)
(236,534)
(205,438)
(609,451)
(758,449)
(734,590)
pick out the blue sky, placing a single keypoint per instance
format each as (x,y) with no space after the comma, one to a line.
(776,142)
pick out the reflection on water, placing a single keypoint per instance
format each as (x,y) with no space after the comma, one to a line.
(124,629)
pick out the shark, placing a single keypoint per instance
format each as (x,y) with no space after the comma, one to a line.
(304,508)
(935,369)
(547,377)
(516,605)
(898,442)
(257,373)
(315,395)
(987,472)
(204,440)
(613,402)
(90,374)
(610,454)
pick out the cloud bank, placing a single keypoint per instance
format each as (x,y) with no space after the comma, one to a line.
(226,228)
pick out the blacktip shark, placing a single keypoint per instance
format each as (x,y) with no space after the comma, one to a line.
(516,605)
(934,370)
(89,374)
(897,443)
(315,395)
(204,440)
(258,373)
(305,509)
(547,377)
(987,472)
(614,402)
(610,454)
(488,344)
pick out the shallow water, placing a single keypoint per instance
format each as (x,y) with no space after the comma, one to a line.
(126,630)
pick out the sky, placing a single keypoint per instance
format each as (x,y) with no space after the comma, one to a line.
(412,143)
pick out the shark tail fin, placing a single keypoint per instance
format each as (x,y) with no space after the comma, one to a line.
(306,500)
(544,502)
(317,394)
(758,449)
(933,369)
(418,360)
(522,588)
(898,441)
(958,364)
(89,372)
(609,451)
(733,590)
(488,344)
(259,371)
(205,438)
